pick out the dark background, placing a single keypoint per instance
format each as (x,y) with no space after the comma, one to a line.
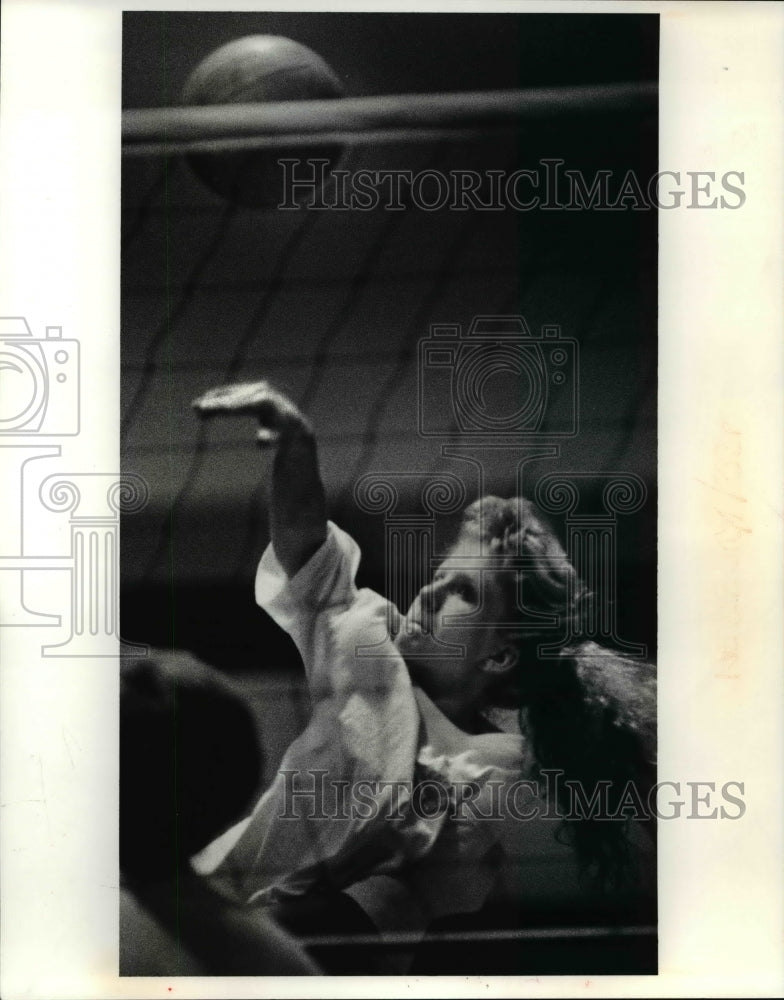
(388,53)
(331,307)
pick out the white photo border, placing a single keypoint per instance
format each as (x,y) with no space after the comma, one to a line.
(720,523)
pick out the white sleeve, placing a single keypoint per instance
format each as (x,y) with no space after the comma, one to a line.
(326,581)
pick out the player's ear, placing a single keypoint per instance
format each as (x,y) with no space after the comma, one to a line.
(502,660)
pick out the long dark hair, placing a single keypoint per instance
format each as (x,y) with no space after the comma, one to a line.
(587,712)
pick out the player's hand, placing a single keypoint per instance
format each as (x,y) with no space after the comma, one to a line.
(275,412)
(297,507)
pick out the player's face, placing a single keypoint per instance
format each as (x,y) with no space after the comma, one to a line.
(451,627)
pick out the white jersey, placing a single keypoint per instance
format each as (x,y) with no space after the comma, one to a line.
(360,800)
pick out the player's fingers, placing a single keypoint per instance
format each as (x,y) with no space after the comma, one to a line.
(273,410)
(240,398)
(214,401)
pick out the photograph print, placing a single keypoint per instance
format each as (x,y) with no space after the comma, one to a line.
(389,395)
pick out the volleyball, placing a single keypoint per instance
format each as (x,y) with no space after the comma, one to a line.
(252,70)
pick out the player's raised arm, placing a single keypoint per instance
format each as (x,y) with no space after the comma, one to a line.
(298,520)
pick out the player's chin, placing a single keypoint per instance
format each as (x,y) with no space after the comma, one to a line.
(405,644)
(412,642)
